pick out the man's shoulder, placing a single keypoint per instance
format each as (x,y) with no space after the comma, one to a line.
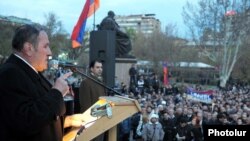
(86,81)
(9,68)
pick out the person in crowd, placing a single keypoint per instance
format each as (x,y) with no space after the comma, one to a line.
(124,129)
(169,125)
(153,131)
(156,83)
(197,130)
(31,108)
(139,130)
(135,121)
(183,131)
(124,89)
(140,85)
(222,119)
(133,74)
(189,116)
(90,91)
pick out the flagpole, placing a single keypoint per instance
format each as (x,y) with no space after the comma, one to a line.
(94,19)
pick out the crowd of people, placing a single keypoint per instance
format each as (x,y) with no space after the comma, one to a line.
(177,118)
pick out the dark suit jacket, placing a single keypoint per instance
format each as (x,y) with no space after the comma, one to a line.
(29,109)
(89,93)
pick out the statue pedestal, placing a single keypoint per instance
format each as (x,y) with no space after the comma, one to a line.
(122,66)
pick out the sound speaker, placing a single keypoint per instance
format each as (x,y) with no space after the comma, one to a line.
(102,47)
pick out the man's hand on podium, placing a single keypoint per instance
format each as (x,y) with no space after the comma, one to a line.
(76,120)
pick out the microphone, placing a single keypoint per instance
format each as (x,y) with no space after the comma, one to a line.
(55,64)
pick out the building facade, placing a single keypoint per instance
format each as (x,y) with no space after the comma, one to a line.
(145,23)
(14,20)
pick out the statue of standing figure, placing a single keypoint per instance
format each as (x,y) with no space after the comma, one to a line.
(123,43)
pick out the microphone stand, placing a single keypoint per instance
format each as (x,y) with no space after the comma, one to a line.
(74,69)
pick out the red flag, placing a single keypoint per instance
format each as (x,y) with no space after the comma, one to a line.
(165,74)
(78,32)
(94,5)
(230,13)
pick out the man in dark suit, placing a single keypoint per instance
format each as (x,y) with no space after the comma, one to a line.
(90,91)
(31,108)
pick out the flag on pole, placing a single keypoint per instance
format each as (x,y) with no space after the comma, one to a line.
(230,13)
(165,74)
(89,9)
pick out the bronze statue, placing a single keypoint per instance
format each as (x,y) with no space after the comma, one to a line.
(123,43)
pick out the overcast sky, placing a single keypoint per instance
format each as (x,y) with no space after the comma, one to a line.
(68,11)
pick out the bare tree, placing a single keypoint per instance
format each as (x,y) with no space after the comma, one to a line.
(242,67)
(218,28)
(157,46)
(6,34)
(59,41)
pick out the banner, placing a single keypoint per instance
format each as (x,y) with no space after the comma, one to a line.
(200,96)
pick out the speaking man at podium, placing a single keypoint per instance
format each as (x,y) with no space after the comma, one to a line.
(31,108)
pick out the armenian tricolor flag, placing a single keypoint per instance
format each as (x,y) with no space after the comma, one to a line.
(165,73)
(78,32)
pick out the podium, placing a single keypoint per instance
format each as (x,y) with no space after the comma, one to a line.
(122,108)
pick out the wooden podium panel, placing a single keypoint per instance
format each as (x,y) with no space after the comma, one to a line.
(122,108)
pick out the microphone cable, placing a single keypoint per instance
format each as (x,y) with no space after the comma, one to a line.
(82,128)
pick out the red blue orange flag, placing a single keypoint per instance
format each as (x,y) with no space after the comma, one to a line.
(89,9)
(165,74)
(230,13)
